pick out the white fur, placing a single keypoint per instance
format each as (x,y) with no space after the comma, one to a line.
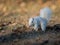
(46,13)
(38,21)
(42,20)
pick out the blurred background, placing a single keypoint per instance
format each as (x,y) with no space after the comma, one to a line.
(20,10)
(14,15)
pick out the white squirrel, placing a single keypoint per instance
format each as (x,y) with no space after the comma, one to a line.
(42,20)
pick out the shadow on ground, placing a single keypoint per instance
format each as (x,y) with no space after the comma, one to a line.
(51,35)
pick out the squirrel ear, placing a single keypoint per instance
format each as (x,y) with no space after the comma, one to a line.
(33,18)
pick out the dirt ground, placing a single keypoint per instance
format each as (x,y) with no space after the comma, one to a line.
(14,29)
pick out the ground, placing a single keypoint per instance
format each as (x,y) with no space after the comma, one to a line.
(14,29)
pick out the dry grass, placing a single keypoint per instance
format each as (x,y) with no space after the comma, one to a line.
(14,15)
(19,12)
